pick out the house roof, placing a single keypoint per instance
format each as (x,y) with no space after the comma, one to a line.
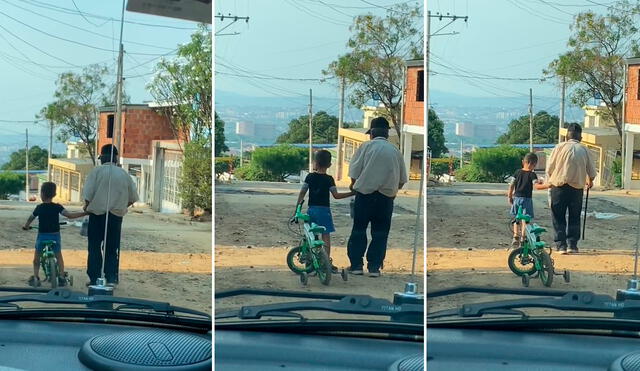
(632,61)
(415,63)
(124,107)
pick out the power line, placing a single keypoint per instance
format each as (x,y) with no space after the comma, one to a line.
(270,78)
(85,18)
(488,78)
(37,48)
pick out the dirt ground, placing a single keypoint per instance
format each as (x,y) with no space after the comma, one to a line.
(252,239)
(469,237)
(163,258)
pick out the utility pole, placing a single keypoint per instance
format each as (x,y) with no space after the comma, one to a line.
(241,152)
(50,149)
(561,123)
(461,154)
(118,120)
(235,19)
(310,131)
(402,100)
(26,187)
(530,120)
(340,123)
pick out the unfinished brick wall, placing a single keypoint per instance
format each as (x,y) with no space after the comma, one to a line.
(140,126)
(632,104)
(414,109)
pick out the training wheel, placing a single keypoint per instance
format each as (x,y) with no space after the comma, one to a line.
(304,278)
(525,280)
(344,274)
(567,276)
(70,280)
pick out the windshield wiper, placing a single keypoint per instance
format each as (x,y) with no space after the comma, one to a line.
(336,303)
(65,296)
(584,301)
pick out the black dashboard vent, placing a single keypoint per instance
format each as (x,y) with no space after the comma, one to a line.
(146,349)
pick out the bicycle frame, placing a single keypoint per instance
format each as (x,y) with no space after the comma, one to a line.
(531,245)
(311,241)
(47,253)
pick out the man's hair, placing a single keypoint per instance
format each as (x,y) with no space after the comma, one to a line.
(379,132)
(323,158)
(105,153)
(574,131)
(531,158)
(48,190)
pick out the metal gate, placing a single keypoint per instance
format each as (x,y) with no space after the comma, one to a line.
(172,170)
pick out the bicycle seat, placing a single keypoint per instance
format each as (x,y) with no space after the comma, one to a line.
(317,228)
(317,243)
(536,229)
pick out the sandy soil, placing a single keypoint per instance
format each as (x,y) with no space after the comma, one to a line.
(469,240)
(252,240)
(164,258)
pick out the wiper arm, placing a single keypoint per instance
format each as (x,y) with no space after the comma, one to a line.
(65,296)
(348,304)
(575,301)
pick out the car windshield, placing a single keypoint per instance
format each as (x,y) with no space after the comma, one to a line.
(267,163)
(80,77)
(532,184)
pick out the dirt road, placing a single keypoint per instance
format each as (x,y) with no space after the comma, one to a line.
(252,240)
(164,258)
(468,237)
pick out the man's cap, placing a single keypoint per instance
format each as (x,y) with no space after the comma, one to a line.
(106,150)
(378,123)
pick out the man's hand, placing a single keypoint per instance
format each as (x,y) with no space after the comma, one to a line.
(589,183)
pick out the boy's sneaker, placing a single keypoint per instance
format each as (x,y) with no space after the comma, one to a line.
(34,281)
(356,271)
(62,281)
(374,272)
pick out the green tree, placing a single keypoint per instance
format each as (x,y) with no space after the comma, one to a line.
(279,162)
(325,129)
(38,159)
(219,138)
(374,64)
(492,165)
(545,130)
(435,135)
(184,85)
(195,182)
(78,97)
(10,184)
(594,64)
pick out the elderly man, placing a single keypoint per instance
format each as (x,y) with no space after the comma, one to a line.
(377,171)
(108,190)
(569,170)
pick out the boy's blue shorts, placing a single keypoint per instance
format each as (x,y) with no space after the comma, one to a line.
(525,203)
(321,215)
(42,237)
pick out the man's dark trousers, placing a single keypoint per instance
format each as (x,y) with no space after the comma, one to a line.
(112,250)
(374,208)
(566,199)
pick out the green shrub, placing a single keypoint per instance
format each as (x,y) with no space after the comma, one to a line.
(254,173)
(497,164)
(10,183)
(471,173)
(280,161)
(195,181)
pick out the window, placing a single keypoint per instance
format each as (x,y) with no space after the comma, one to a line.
(420,87)
(110,126)
(75,181)
(350,148)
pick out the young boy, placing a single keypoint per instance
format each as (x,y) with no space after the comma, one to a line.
(520,192)
(320,185)
(49,229)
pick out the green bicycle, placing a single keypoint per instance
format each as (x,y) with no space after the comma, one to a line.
(310,256)
(531,259)
(49,264)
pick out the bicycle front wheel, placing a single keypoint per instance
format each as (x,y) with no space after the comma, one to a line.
(546,269)
(521,264)
(53,272)
(298,261)
(324,266)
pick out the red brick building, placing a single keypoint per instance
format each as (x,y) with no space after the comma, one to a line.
(413,117)
(631,123)
(140,128)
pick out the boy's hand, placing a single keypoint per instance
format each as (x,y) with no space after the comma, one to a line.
(510,200)
(25,227)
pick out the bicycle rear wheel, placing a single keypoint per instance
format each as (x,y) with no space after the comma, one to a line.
(546,271)
(53,272)
(324,269)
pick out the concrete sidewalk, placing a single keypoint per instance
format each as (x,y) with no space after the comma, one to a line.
(409,190)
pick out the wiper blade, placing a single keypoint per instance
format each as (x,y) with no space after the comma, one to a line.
(585,301)
(495,290)
(65,296)
(347,304)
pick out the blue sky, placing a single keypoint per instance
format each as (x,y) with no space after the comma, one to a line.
(285,38)
(504,38)
(32,52)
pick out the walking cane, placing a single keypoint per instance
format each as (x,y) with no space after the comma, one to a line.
(586,203)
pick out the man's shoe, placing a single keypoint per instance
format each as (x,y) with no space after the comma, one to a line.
(374,272)
(573,250)
(562,249)
(355,271)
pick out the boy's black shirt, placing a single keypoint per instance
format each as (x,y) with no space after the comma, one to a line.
(523,183)
(48,215)
(319,188)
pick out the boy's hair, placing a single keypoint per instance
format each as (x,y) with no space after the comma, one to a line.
(323,158)
(531,158)
(48,190)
